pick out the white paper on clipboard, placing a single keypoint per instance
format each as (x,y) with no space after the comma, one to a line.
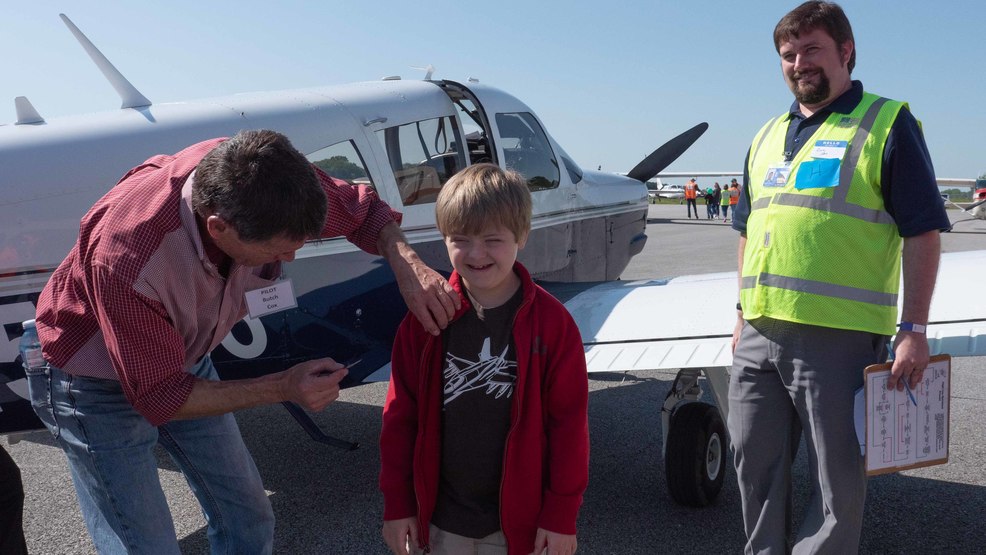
(896,432)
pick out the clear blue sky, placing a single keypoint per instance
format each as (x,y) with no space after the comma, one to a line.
(611,80)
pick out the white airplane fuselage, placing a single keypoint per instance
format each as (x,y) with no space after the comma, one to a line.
(586,225)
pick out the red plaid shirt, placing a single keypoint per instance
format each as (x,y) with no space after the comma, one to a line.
(138,300)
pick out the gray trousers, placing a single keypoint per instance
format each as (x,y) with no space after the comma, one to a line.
(790,380)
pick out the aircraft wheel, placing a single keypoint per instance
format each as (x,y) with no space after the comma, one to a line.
(697,447)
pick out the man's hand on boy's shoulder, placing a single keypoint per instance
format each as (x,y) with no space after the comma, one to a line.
(428,295)
(553,543)
(398,533)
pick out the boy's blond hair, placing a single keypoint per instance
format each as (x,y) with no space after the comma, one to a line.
(481,196)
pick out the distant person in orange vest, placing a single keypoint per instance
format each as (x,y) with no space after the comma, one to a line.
(691,193)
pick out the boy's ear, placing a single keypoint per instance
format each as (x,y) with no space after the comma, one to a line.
(522,240)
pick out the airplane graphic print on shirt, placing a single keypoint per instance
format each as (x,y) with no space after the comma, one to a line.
(492,373)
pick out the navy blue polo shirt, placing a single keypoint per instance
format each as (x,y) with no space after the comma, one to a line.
(907,180)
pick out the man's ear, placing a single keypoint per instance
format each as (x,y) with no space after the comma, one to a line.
(845,50)
(217,226)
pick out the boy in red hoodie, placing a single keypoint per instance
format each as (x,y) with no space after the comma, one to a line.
(485,439)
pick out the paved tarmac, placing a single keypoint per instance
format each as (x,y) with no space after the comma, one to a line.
(326,500)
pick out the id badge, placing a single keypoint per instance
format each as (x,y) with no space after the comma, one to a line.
(270,299)
(777,175)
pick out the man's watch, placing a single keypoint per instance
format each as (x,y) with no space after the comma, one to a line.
(739,306)
(912,327)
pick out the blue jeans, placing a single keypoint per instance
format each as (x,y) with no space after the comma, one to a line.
(110,450)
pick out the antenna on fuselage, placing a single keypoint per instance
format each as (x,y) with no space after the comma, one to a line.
(428,69)
(26,114)
(129,94)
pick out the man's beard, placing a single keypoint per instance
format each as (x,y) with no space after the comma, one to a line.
(811,94)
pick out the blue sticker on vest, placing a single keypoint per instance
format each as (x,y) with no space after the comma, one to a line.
(816,174)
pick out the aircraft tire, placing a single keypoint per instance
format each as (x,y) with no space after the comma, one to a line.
(697,448)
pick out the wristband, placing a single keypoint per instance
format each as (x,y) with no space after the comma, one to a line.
(912,327)
(739,307)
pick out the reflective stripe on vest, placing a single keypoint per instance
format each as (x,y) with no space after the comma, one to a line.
(826,256)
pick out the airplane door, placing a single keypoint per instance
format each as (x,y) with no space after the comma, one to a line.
(518,141)
(418,146)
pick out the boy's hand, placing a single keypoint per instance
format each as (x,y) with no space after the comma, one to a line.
(397,534)
(554,543)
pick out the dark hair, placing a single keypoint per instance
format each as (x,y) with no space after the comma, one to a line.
(262,186)
(827,16)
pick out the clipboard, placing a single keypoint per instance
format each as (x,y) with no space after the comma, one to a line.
(906,429)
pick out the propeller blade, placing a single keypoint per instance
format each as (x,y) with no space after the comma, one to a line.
(667,153)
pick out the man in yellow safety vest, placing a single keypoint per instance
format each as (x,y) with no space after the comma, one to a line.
(836,192)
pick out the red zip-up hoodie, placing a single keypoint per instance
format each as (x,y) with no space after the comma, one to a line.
(546,459)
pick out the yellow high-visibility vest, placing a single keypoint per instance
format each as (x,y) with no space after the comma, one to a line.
(820,254)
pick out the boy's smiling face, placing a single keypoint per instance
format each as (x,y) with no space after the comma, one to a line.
(485,262)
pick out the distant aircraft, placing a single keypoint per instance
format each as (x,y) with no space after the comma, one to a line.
(406,138)
(976,208)
(661,190)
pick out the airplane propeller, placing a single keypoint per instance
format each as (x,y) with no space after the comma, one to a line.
(667,153)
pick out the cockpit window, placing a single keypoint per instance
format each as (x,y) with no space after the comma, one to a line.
(342,161)
(526,150)
(423,156)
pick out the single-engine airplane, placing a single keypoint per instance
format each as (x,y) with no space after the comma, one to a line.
(405,139)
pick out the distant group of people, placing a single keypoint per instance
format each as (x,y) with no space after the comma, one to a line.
(717,199)
(500,465)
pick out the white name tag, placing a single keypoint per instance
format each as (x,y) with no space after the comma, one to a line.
(829,149)
(266,300)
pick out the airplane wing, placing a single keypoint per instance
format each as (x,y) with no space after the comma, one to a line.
(687,322)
